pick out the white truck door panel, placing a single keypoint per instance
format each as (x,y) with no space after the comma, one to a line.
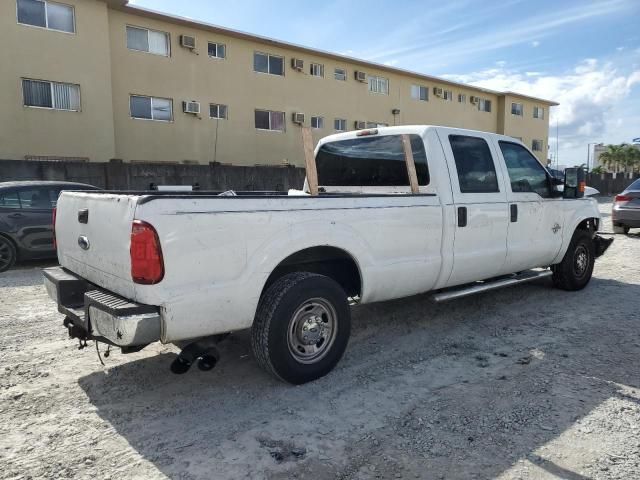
(535,219)
(478,188)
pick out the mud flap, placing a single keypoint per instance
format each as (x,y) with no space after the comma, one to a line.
(601,244)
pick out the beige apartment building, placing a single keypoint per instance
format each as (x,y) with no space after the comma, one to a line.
(100,79)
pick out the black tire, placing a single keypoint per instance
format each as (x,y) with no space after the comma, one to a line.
(8,255)
(297,301)
(575,269)
(621,229)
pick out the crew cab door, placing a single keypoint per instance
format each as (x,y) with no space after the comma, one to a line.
(480,206)
(535,218)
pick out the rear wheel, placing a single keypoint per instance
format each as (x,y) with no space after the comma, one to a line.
(302,327)
(7,254)
(576,268)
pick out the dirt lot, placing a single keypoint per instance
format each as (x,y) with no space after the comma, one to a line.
(528,382)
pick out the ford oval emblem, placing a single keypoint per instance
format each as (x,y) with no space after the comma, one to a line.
(83,241)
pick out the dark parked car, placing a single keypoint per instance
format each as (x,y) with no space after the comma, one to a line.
(26,209)
(626,209)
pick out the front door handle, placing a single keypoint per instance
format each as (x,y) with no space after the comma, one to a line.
(462,216)
(514,212)
(15,215)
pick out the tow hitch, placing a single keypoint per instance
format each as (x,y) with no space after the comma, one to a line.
(601,244)
(204,351)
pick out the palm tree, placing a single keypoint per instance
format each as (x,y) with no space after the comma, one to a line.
(614,157)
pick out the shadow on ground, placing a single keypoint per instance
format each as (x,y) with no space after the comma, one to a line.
(458,389)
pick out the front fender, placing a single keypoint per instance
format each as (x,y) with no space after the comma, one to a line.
(576,212)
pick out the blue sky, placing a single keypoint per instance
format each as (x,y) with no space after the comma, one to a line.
(583,54)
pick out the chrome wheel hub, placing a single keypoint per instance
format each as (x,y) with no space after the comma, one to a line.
(581,260)
(312,330)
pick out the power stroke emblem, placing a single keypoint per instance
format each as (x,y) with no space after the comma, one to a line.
(556,228)
(83,241)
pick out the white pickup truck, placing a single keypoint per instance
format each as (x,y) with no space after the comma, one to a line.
(401,211)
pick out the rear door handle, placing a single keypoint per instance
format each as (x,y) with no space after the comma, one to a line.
(462,216)
(15,215)
(514,212)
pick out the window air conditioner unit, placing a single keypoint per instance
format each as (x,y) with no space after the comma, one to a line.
(360,124)
(298,118)
(361,76)
(191,107)
(297,64)
(187,41)
(474,99)
(437,91)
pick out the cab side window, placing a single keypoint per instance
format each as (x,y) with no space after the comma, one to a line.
(525,172)
(9,199)
(474,164)
(35,198)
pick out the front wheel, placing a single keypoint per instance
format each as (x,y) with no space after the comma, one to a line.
(302,327)
(576,268)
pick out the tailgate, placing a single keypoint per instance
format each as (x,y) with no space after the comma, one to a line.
(93,233)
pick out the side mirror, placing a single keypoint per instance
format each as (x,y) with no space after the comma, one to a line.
(574,183)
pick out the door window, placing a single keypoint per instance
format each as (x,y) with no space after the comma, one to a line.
(9,200)
(474,164)
(525,172)
(35,198)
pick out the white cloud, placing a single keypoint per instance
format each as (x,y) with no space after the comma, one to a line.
(535,43)
(591,95)
(619,49)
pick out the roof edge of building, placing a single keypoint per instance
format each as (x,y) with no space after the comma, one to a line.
(124,5)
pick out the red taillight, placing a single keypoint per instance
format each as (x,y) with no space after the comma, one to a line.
(147,266)
(55,244)
(623,198)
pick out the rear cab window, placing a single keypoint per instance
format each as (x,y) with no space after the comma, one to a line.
(375,161)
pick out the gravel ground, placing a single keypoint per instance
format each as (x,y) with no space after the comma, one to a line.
(527,382)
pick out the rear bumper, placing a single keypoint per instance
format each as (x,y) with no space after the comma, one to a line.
(99,314)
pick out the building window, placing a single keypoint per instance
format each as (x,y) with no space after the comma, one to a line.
(340,74)
(317,122)
(536,145)
(484,105)
(58,96)
(265,63)
(462,98)
(447,95)
(516,109)
(150,41)
(51,15)
(538,112)
(217,50)
(419,92)
(340,125)
(217,111)
(379,85)
(316,70)
(268,120)
(151,108)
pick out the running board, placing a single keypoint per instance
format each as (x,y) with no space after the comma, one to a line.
(479,287)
